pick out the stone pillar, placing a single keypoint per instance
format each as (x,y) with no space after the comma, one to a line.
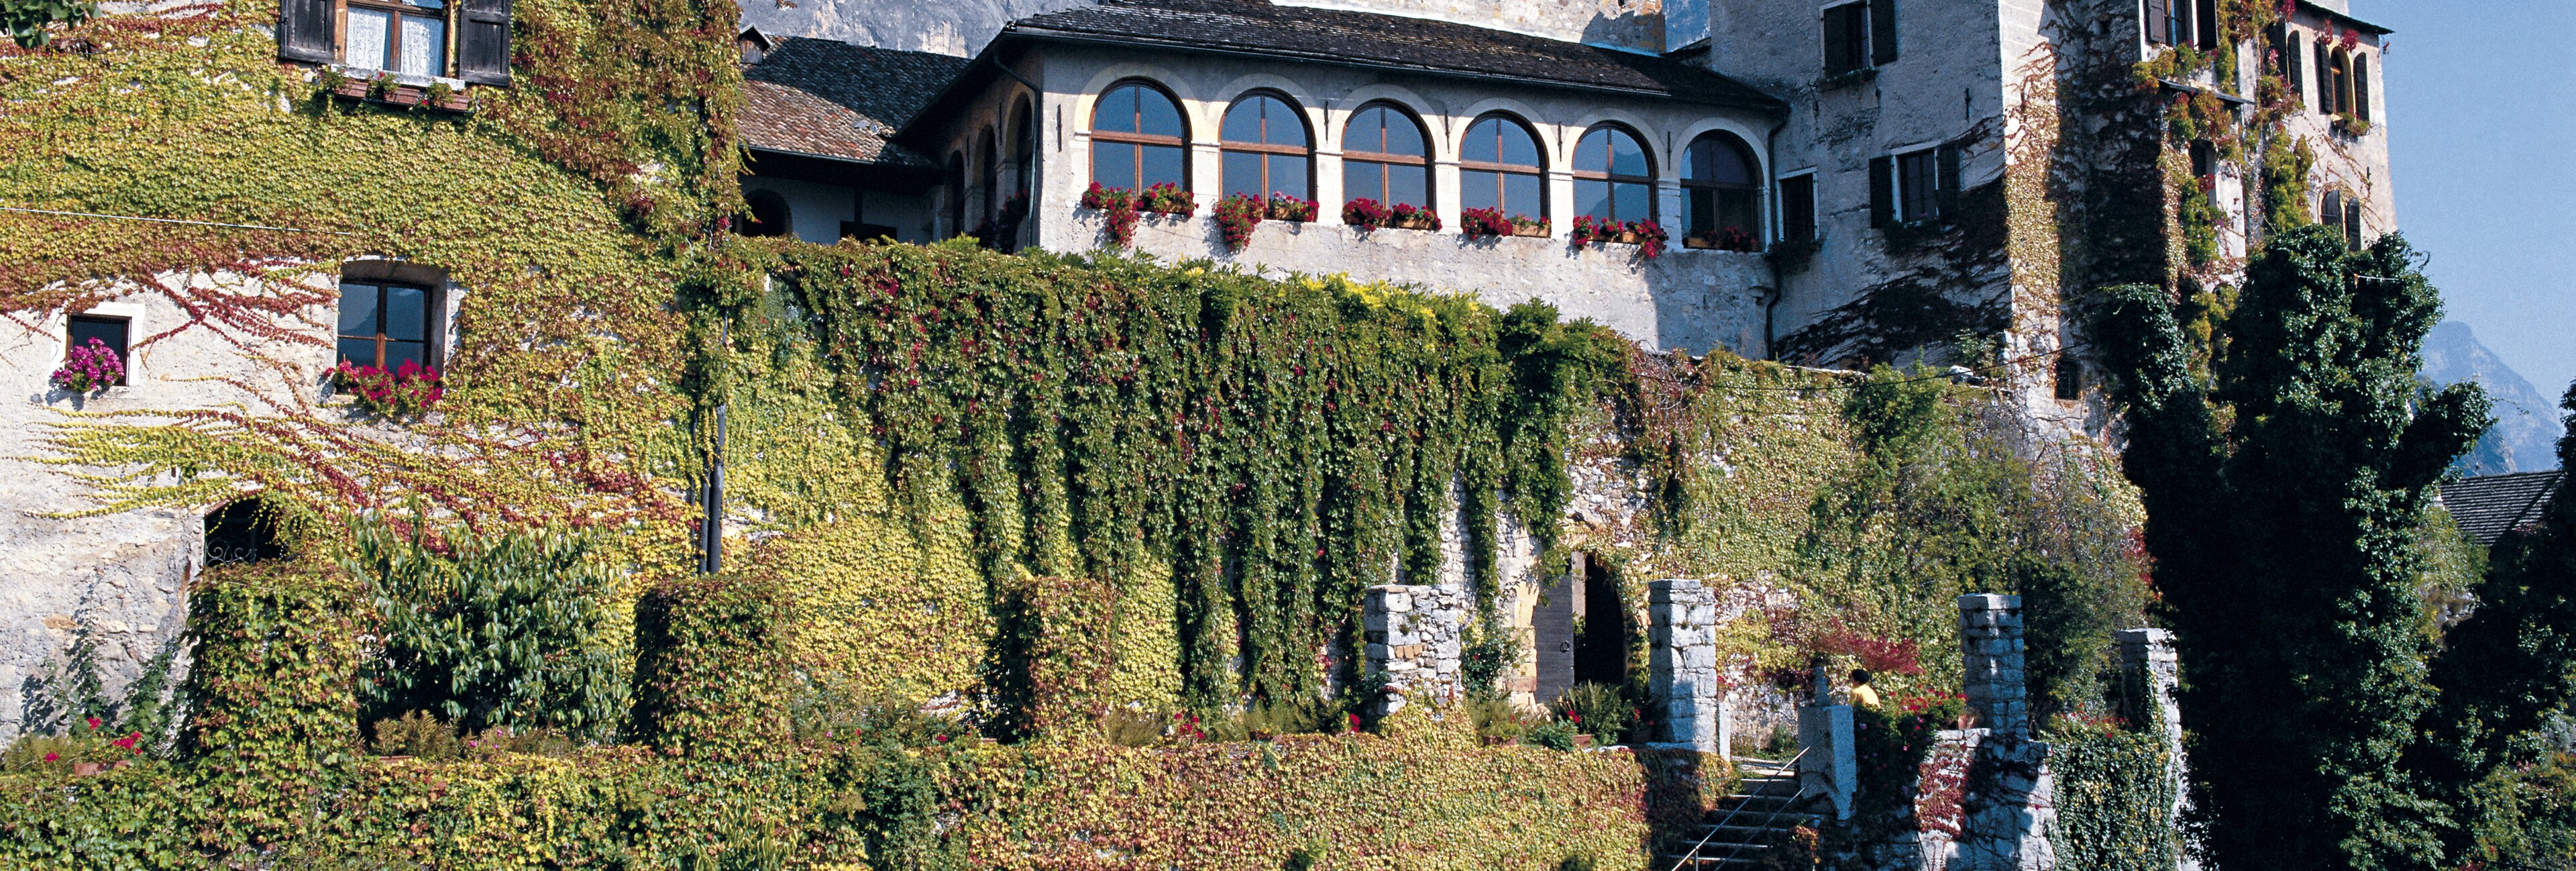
(2149,670)
(1689,703)
(1830,768)
(1990,636)
(1413,640)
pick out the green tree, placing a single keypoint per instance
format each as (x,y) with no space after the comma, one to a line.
(2283,495)
(2505,674)
(506,629)
(26,19)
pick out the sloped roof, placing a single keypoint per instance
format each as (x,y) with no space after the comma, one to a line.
(832,99)
(1388,42)
(2488,506)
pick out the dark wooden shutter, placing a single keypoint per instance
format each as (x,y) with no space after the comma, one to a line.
(1882,191)
(304,31)
(2352,224)
(2361,86)
(1945,188)
(483,41)
(2205,24)
(2160,21)
(1837,43)
(2325,77)
(2294,58)
(1882,32)
(1798,208)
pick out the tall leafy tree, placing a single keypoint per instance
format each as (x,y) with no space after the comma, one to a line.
(2504,673)
(2283,492)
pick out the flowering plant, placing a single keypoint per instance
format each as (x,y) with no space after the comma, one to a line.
(1650,237)
(1118,206)
(1285,207)
(408,391)
(90,367)
(1169,199)
(1588,229)
(1364,213)
(1480,223)
(1417,217)
(1236,215)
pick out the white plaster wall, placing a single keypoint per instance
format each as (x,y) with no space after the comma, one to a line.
(120,577)
(1686,299)
(814,210)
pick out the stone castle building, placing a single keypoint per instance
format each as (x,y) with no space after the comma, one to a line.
(1840,183)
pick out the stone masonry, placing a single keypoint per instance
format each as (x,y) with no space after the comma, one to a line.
(1990,637)
(1681,661)
(1413,639)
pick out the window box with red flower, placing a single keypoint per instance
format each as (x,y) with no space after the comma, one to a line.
(408,391)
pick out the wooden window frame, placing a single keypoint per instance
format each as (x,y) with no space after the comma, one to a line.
(432,313)
(1502,186)
(1181,142)
(1807,220)
(1385,188)
(445,13)
(1688,184)
(1305,152)
(1613,178)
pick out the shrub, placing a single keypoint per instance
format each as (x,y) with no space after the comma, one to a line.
(419,735)
(1236,216)
(408,391)
(1600,710)
(273,719)
(711,668)
(507,629)
(1557,736)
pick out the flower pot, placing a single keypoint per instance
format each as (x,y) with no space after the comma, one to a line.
(1416,222)
(1582,742)
(1532,232)
(1699,242)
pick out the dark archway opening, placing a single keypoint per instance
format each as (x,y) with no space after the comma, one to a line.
(1601,626)
(768,214)
(242,531)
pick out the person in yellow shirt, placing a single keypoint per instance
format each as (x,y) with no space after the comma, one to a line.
(1861,694)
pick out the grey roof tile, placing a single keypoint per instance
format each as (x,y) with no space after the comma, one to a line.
(833,99)
(2488,506)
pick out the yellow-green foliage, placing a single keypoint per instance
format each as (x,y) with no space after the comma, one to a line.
(885,611)
(536,204)
(1354,802)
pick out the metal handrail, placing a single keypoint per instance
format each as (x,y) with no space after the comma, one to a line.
(1693,853)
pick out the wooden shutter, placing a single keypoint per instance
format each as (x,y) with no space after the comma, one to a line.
(1945,181)
(2295,59)
(483,41)
(2352,224)
(1798,208)
(2361,86)
(2205,23)
(1838,46)
(2325,76)
(1882,191)
(304,31)
(1882,32)
(2160,21)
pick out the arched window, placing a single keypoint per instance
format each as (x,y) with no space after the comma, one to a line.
(768,216)
(1498,168)
(1138,140)
(1024,139)
(1384,157)
(1612,180)
(956,192)
(1264,144)
(1719,183)
(988,176)
(2339,100)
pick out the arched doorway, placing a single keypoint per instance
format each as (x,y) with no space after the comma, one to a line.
(242,531)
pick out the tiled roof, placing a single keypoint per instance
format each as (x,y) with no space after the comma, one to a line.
(1388,42)
(833,99)
(2488,506)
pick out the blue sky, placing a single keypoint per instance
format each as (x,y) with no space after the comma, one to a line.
(2482,132)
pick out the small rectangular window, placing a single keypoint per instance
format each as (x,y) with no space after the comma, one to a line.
(109,331)
(1846,38)
(1798,208)
(2205,24)
(2070,378)
(1918,186)
(385,325)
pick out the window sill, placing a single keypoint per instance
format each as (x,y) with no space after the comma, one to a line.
(398,89)
(1839,81)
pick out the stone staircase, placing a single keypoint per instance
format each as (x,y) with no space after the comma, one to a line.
(1765,806)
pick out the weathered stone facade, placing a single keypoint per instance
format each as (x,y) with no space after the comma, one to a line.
(1689,704)
(1413,637)
(1990,634)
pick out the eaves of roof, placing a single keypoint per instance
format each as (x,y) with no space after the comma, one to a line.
(2346,18)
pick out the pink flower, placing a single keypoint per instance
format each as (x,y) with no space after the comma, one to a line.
(53,757)
(93,722)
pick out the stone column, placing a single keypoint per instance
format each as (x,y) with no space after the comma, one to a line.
(1681,661)
(1990,636)
(1413,640)
(2149,670)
